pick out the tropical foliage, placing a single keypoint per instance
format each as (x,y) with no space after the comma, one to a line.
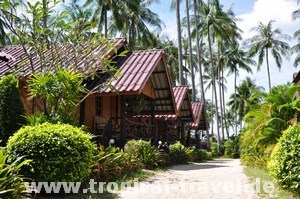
(60,91)
(11,181)
(284,164)
(11,108)
(266,121)
(59,152)
(112,164)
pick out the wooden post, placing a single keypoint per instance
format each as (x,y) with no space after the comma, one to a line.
(182,136)
(154,130)
(188,138)
(123,122)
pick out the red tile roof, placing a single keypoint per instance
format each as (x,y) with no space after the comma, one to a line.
(65,57)
(199,115)
(136,69)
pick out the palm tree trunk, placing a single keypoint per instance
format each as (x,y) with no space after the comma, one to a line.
(214,86)
(268,68)
(179,42)
(105,23)
(220,94)
(190,51)
(224,109)
(235,111)
(199,53)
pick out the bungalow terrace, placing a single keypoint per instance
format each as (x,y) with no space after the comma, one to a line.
(143,88)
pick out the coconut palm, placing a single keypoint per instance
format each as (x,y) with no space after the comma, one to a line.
(268,39)
(242,98)
(136,24)
(100,12)
(176,5)
(237,59)
(216,24)
(296,47)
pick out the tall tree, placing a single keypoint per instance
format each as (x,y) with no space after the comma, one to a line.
(187,4)
(242,98)
(216,24)
(176,4)
(296,47)
(237,59)
(268,39)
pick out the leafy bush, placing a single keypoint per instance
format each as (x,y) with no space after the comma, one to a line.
(60,152)
(284,164)
(113,164)
(178,153)
(148,154)
(230,148)
(61,92)
(11,182)
(214,149)
(11,108)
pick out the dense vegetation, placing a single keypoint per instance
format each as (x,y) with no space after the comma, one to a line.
(59,152)
(267,138)
(285,158)
(11,108)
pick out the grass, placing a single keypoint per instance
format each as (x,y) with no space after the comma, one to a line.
(256,172)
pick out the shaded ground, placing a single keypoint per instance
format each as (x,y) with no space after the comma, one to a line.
(221,178)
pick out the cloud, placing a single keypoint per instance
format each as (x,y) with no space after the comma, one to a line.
(264,11)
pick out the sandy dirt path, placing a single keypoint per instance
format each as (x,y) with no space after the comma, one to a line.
(221,178)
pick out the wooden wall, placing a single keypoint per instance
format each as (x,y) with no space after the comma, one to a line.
(38,104)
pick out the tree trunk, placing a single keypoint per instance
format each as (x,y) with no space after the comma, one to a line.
(180,65)
(105,22)
(220,94)
(214,87)
(268,69)
(199,53)
(235,111)
(190,51)
(224,105)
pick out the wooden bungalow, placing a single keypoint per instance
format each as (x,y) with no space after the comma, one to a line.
(172,127)
(142,88)
(138,103)
(200,123)
(16,60)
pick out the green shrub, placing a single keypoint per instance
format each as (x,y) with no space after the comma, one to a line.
(178,153)
(214,149)
(146,153)
(60,152)
(284,164)
(11,182)
(230,148)
(11,108)
(113,164)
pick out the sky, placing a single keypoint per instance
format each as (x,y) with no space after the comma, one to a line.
(251,12)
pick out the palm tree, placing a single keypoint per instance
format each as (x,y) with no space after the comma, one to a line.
(216,24)
(190,50)
(176,4)
(237,59)
(100,12)
(241,99)
(136,26)
(296,47)
(268,39)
